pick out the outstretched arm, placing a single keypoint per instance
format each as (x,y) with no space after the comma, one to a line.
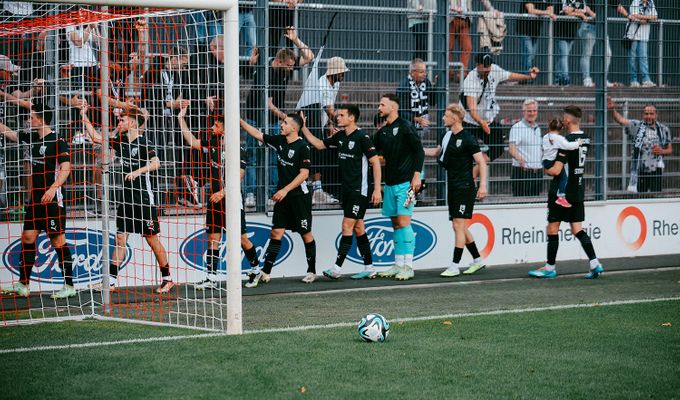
(189,137)
(89,128)
(309,136)
(8,133)
(617,116)
(306,54)
(252,131)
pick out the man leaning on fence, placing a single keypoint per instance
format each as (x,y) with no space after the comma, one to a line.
(651,142)
(525,148)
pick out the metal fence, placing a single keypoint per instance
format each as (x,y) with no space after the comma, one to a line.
(378,40)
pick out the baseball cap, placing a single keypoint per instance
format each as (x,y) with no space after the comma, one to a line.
(336,65)
(484,58)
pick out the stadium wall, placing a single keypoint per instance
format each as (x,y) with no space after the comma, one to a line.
(504,234)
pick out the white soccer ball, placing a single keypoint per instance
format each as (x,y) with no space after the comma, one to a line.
(374,328)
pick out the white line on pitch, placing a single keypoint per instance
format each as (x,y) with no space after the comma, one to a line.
(449,283)
(330,326)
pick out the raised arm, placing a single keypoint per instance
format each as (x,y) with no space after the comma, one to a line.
(617,116)
(89,128)
(533,73)
(306,54)
(309,136)
(252,131)
(189,137)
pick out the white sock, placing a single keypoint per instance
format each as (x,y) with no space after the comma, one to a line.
(337,267)
(549,267)
(316,185)
(368,267)
(594,263)
(399,261)
(454,266)
(477,260)
(212,277)
(408,259)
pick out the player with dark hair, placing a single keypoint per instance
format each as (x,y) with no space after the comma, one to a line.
(137,211)
(51,167)
(457,152)
(402,150)
(216,217)
(293,199)
(574,192)
(355,151)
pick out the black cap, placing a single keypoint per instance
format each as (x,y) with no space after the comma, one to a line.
(484,59)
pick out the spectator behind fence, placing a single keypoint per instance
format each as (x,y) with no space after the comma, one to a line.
(246,21)
(418,22)
(82,57)
(492,30)
(416,96)
(641,13)
(651,142)
(317,102)
(566,30)
(478,97)
(459,29)
(615,7)
(525,148)
(530,29)
(281,17)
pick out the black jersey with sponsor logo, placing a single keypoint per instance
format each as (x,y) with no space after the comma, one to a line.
(291,158)
(213,149)
(46,155)
(133,156)
(400,145)
(456,158)
(575,160)
(354,150)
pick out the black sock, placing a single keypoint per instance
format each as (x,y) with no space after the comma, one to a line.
(457,254)
(553,245)
(345,245)
(587,244)
(113,270)
(270,255)
(472,248)
(365,249)
(251,255)
(310,252)
(165,271)
(27,262)
(66,262)
(212,259)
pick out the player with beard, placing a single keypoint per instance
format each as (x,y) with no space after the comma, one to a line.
(457,153)
(216,217)
(402,151)
(51,167)
(293,200)
(355,150)
(137,211)
(574,192)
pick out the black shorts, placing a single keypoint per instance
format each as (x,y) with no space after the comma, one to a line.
(215,217)
(45,217)
(461,202)
(354,205)
(137,218)
(557,213)
(294,213)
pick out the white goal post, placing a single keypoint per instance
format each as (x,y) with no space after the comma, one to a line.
(231,138)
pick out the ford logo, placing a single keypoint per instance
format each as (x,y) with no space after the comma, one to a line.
(86,247)
(193,248)
(379,231)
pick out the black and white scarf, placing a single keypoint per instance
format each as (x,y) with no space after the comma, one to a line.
(418,96)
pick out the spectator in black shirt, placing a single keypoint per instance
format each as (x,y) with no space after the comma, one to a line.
(530,29)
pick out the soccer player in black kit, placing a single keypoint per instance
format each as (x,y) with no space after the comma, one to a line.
(293,207)
(51,166)
(574,160)
(456,153)
(137,211)
(355,151)
(216,217)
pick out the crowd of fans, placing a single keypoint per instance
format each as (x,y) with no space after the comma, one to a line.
(159,81)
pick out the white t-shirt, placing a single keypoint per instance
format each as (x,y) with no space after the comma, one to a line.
(18,7)
(319,92)
(637,31)
(553,142)
(529,144)
(80,56)
(485,95)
